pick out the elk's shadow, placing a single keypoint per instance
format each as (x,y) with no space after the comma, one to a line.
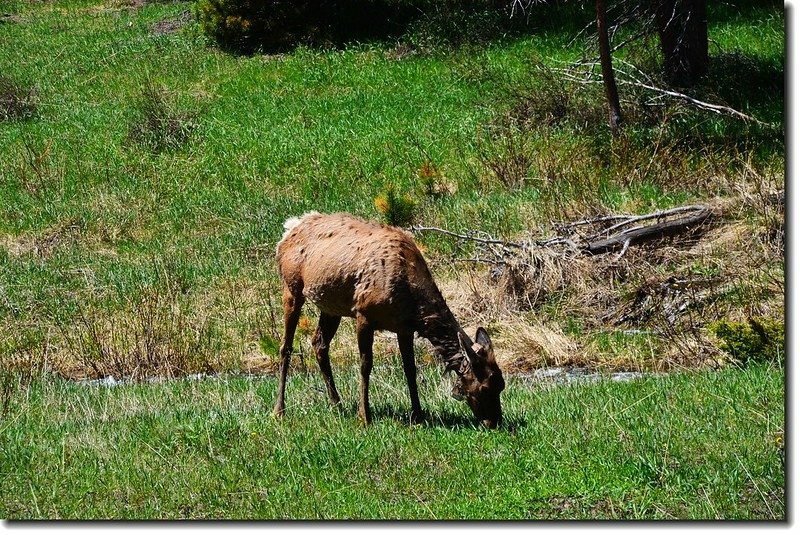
(446,419)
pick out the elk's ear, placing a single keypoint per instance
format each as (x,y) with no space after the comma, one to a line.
(482,337)
(466,347)
(484,343)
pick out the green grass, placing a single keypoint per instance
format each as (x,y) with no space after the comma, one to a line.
(273,136)
(703,445)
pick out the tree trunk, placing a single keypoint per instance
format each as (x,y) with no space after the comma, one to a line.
(683,32)
(612,96)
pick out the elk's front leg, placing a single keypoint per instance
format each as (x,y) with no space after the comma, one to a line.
(366,335)
(406,343)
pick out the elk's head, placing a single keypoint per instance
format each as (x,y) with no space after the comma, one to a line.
(480,380)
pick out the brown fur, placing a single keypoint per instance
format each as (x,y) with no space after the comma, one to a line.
(376,274)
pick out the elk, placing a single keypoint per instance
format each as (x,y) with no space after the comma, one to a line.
(376,274)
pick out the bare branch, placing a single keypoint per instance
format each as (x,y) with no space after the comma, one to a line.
(715,108)
(627,78)
(467,237)
(660,214)
(610,238)
(623,251)
(650,232)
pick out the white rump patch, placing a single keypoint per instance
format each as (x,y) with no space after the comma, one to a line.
(292,222)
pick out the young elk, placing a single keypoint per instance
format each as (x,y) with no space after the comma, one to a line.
(375,274)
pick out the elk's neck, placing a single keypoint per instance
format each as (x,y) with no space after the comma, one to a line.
(441,328)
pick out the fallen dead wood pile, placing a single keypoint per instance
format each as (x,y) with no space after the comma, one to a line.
(593,236)
(621,289)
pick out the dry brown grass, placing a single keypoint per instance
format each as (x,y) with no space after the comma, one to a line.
(44,243)
(645,309)
(522,342)
(155,334)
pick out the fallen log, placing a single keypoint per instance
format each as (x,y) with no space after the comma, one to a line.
(633,236)
(615,233)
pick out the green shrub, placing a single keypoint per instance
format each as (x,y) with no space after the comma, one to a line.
(758,340)
(280,25)
(397,210)
(247,25)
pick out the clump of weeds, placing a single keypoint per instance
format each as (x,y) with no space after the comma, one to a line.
(157,124)
(158,332)
(17,102)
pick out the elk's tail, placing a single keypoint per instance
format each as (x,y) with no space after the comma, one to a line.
(292,222)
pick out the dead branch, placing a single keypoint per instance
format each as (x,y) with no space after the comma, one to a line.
(470,236)
(715,108)
(626,78)
(700,211)
(615,232)
(625,219)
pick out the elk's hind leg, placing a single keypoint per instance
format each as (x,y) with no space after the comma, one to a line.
(292,306)
(321,341)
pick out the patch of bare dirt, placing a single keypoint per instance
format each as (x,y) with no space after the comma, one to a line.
(170,26)
(42,244)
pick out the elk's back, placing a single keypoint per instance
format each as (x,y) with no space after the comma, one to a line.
(346,265)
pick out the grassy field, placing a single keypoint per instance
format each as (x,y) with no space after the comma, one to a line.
(705,445)
(144,179)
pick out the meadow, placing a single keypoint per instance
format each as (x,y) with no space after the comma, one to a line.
(145,175)
(704,445)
